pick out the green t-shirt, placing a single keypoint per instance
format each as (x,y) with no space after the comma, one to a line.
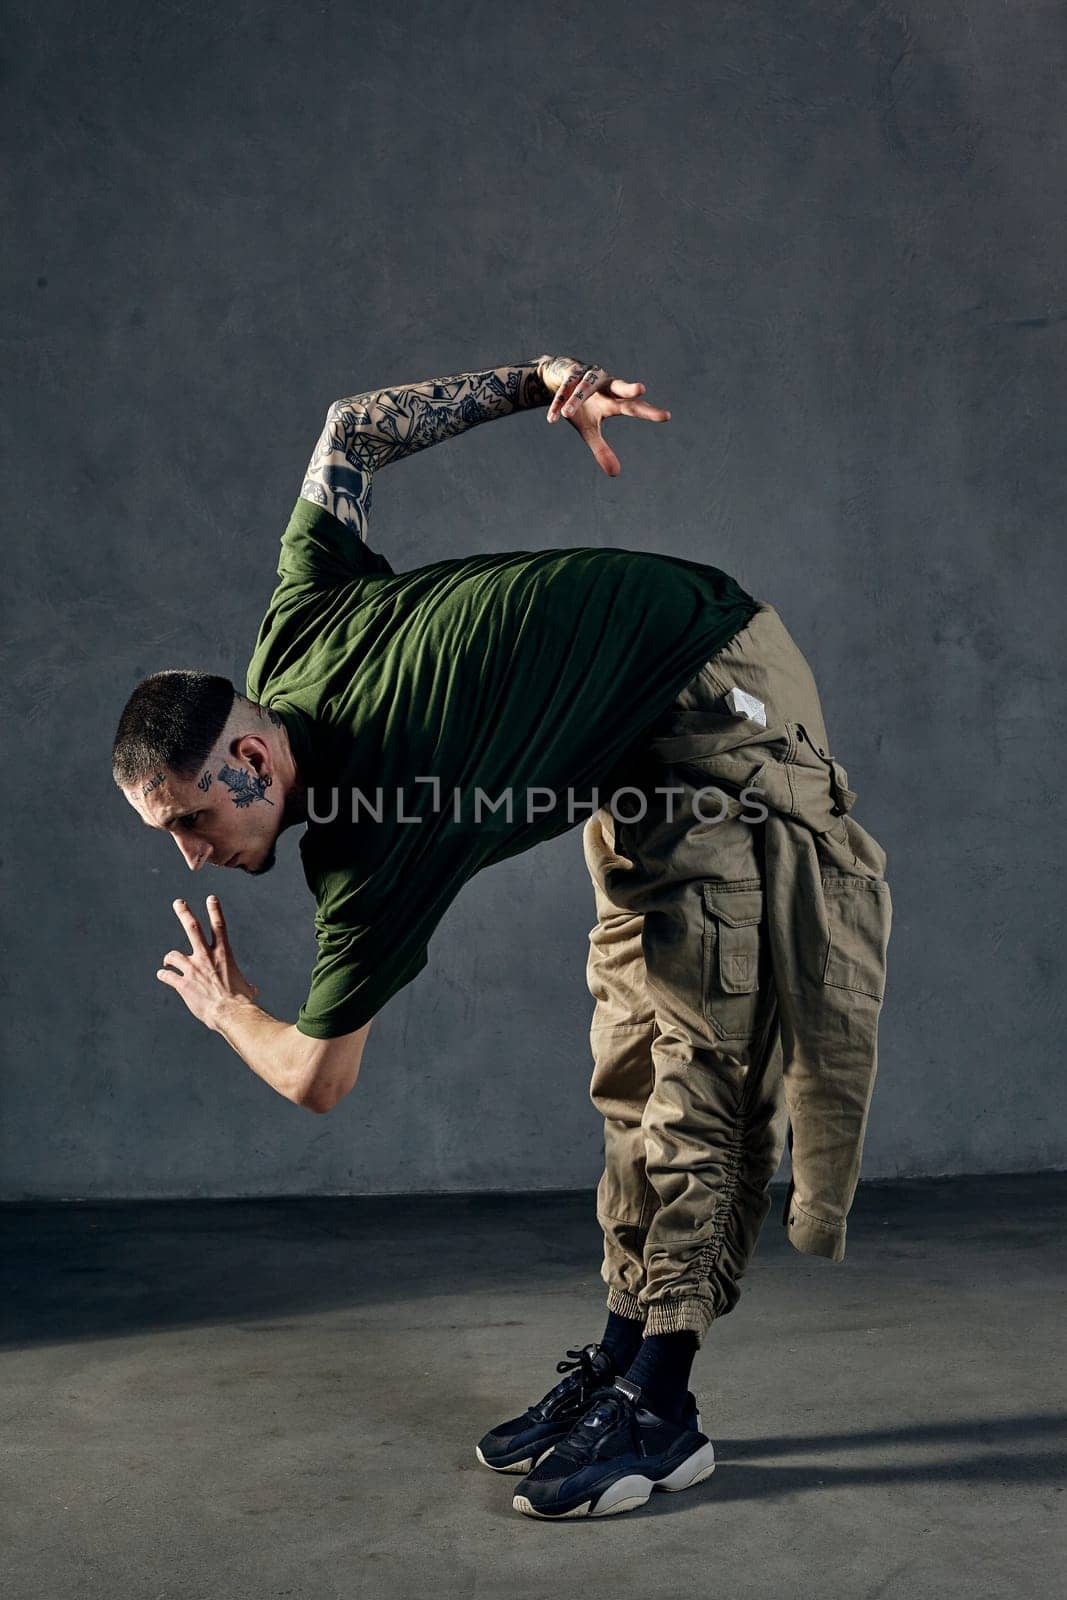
(532,674)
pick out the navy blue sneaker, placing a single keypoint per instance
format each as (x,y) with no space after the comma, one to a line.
(613,1458)
(520,1443)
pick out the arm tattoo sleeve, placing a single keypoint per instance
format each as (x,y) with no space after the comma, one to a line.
(367,431)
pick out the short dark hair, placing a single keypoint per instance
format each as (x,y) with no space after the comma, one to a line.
(171,722)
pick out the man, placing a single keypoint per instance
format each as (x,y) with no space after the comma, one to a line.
(424,725)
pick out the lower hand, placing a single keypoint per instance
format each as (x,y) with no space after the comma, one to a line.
(208,977)
(586,395)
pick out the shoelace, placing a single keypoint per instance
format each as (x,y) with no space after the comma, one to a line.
(611,1408)
(582,1358)
(589,1379)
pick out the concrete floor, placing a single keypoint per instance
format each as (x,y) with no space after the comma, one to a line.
(281,1398)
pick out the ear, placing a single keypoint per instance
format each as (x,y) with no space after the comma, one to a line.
(253,748)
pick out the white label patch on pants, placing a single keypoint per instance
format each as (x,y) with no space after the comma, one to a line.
(746,705)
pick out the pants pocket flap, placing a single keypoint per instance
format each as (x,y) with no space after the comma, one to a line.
(737,913)
(739,907)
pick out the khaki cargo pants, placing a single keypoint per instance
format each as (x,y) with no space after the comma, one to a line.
(685,1031)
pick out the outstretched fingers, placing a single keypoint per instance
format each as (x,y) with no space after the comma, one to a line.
(191,926)
(573,390)
(217,920)
(647,413)
(606,459)
(631,406)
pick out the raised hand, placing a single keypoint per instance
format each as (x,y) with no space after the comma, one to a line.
(586,395)
(208,976)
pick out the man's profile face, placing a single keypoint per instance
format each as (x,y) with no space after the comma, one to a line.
(226,818)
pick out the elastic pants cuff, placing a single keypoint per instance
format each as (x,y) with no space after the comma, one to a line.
(679,1316)
(625,1305)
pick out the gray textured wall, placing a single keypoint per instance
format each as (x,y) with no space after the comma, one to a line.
(830,237)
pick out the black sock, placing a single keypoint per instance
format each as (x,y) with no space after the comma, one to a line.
(622,1339)
(661,1369)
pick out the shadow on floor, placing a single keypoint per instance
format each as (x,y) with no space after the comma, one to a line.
(98,1270)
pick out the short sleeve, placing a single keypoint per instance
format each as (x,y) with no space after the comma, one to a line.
(373,923)
(354,976)
(317,548)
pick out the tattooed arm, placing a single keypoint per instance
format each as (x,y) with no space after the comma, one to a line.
(367,431)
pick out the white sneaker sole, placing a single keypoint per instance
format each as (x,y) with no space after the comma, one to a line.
(519,1466)
(633,1490)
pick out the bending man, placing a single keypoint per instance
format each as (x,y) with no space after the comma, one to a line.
(422,726)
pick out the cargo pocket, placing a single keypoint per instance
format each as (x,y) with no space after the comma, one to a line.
(858,913)
(733,913)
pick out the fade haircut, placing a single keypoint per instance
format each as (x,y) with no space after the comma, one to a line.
(170,723)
